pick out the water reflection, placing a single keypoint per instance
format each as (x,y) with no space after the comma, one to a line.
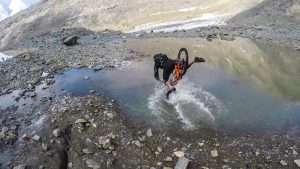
(274,69)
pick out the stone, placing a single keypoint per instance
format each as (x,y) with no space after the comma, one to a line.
(282,162)
(97,67)
(295,153)
(167,168)
(50,81)
(226,167)
(137,35)
(201,144)
(159,163)
(34,81)
(86,151)
(149,133)
(25,137)
(110,115)
(159,149)
(27,56)
(30,94)
(56,132)
(92,164)
(80,121)
(92,91)
(214,153)
(4,130)
(45,146)
(36,137)
(86,77)
(70,164)
(41,167)
(168,159)
(179,153)
(45,74)
(138,143)
(20,167)
(104,142)
(71,41)
(182,163)
(297,162)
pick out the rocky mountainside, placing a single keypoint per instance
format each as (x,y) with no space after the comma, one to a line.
(52,15)
(274,13)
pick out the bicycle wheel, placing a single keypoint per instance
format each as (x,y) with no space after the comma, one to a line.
(185,58)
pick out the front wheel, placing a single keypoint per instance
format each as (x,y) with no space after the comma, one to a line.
(184,58)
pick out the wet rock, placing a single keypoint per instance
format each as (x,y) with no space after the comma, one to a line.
(36,137)
(182,163)
(214,153)
(92,164)
(20,167)
(71,41)
(30,94)
(168,159)
(86,77)
(80,121)
(56,133)
(179,153)
(97,67)
(282,162)
(149,133)
(297,162)
(201,144)
(92,91)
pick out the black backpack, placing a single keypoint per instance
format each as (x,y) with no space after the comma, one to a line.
(159,59)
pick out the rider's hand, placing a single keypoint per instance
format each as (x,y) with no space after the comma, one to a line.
(197,59)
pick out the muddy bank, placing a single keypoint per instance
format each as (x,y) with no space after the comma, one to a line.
(88,132)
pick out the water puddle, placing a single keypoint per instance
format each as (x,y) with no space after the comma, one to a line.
(244,86)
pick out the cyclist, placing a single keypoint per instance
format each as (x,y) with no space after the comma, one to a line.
(173,70)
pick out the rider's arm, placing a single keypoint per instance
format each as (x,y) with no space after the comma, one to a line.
(190,64)
(156,75)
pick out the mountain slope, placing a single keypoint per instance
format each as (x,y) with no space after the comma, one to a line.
(52,15)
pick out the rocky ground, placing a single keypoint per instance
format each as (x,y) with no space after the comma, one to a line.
(90,132)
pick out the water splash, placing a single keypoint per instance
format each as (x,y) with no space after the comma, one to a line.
(193,106)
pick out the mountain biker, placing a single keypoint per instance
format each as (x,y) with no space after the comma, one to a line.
(173,70)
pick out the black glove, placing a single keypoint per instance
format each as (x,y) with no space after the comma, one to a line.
(197,59)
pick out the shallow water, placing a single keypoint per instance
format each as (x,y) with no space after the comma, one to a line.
(208,97)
